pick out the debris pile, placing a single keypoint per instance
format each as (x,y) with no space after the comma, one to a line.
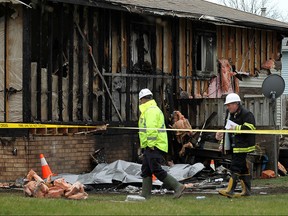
(37,187)
(5,185)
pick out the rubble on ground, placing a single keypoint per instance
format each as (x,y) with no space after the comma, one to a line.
(35,186)
(122,177)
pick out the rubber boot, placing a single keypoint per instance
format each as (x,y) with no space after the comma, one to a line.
(229,191)
(175,185)
(246,185)
(146,187)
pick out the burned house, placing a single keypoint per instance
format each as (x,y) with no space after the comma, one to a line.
(84,62)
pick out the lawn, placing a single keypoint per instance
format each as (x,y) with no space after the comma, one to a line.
(15,203)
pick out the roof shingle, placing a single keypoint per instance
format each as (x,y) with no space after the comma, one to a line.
(199,9)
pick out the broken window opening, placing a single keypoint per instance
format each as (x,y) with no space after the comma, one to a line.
(205,54)
(142,48)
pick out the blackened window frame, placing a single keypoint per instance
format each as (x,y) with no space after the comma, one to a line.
(200,52)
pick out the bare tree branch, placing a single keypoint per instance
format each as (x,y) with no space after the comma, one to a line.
(255,6)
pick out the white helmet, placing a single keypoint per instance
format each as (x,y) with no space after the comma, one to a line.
(144,92)
(232,98)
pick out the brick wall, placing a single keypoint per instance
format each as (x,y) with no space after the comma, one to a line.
(63,153)
(118,146)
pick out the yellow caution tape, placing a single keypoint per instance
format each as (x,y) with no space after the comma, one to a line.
(33,125)
(272,132)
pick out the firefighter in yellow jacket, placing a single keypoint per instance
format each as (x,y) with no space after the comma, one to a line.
(238,118)
(154,142)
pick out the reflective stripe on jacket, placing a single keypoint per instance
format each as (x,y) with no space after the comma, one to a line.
(152,117)
(243,143)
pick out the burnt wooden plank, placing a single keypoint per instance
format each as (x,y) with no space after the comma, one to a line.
(159,47)
(26,64)
(190,56)
(71,63)
(270,53)
(257,49)
(60,62)
(277,44)
(80,67)
(245,50)
(167,48)
(101,36)
(153,46)
(39,65)
(263,46)
(238,49)
(251,48)
(50,66)
(225,42)
(123,54)
(219,42)
(107,64)
(175,54)
(90,63)
(274,44)
(232,42)
(182,53)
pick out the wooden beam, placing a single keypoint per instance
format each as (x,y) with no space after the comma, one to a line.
(71,63)
(251,34)
(26,64)
(60,62)
(219,42)
(257,49)
(39,64)
(225,42)
(102,27)
(270,53)
(90,63)
(233,44)
(125,44)
(245,50)
(175,54)
(238,62)
(50,66)
(114,43)
(159,46)
(182,53)
(167,47)
(80,67)
(263,46)
(190,56)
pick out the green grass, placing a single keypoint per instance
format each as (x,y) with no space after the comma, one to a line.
(15,203)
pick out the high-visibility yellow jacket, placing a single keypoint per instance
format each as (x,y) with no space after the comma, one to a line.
(152,117)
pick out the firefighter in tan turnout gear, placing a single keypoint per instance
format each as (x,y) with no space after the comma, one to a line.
(238,118)
(154,142)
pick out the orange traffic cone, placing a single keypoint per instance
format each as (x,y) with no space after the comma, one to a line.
(153,177)
(45,167)
(212,164)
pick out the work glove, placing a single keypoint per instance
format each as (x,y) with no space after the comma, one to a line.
(219,136)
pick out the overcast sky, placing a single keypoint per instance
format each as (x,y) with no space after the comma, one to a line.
(282,6)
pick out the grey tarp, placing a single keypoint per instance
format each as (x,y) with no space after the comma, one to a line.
(128,172)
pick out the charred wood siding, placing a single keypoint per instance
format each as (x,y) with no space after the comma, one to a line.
(71,62)
(174,57)
(251,46)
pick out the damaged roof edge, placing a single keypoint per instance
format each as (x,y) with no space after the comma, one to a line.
(154,11)
(15,2)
